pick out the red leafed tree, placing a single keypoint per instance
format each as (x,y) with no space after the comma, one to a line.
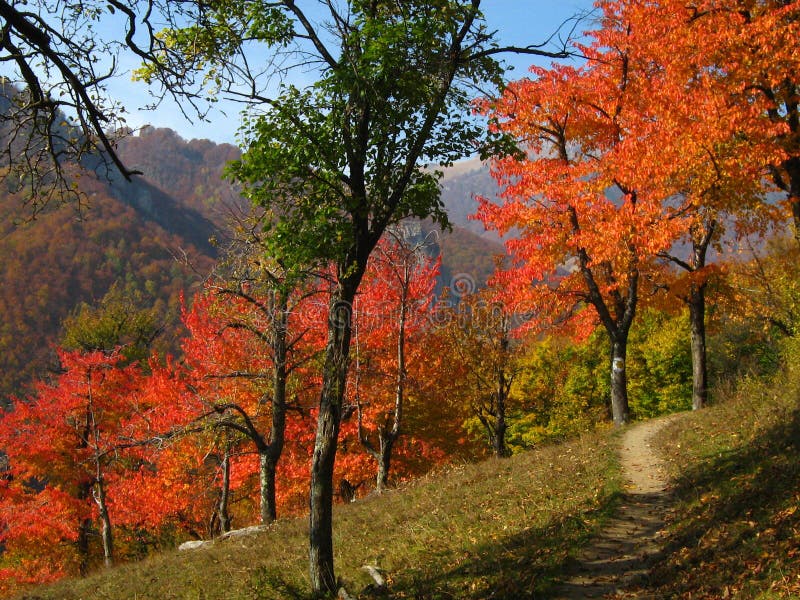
(249,352)
(589,228)
(732,119)
(176,468)
(61,446)
(391,319)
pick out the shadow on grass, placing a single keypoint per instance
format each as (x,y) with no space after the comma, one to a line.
(736,527)
(523,565)
(266,581)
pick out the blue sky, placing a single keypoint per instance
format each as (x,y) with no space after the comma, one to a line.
(518,22)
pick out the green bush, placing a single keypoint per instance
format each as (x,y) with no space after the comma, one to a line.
(562,388)
(659,364)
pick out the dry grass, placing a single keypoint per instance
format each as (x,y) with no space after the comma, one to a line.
(735,529)
(500,529)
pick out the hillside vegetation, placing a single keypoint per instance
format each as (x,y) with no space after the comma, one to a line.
(506,528)
(735,525)
(501,529)
(49,266)
(318,319)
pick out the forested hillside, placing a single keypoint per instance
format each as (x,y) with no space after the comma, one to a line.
(153,232)
(190,171)
(461,185)
(50,265)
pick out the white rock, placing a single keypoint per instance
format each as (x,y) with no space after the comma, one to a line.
(192,545)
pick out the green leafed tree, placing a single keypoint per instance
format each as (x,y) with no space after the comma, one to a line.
(338,160)
(124,317)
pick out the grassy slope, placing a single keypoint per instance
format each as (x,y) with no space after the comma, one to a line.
(499,528)
(504,529)
(735,529)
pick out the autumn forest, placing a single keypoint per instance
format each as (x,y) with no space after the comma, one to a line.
(197,338)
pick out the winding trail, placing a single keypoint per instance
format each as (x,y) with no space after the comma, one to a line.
(618,559)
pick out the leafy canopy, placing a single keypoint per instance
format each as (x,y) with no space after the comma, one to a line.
(343,157)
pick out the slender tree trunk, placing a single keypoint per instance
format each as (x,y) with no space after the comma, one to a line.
(499,439)
(501,451)
(106,534)
(224,494)
(269,456)
(388,439)
(697,319)
(696,300)
(617,318)
(323,578)
(82,544)
(500,426)
(98,488)
(108,539)
(84,530)
(619,382)
(384,462)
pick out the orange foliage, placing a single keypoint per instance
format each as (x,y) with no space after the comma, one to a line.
(588,228)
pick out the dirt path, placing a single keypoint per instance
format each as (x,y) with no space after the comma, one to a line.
(620,556)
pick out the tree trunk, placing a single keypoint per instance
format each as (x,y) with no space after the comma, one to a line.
(384,462)
(82,543)
(616,319)
(269,457)
(224,494)
(697,319)
(499,440)
(266,473)
(500,426)
(323,578)
(696,300)
(84,530)
(619,383)
(388,439)
(106,534)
